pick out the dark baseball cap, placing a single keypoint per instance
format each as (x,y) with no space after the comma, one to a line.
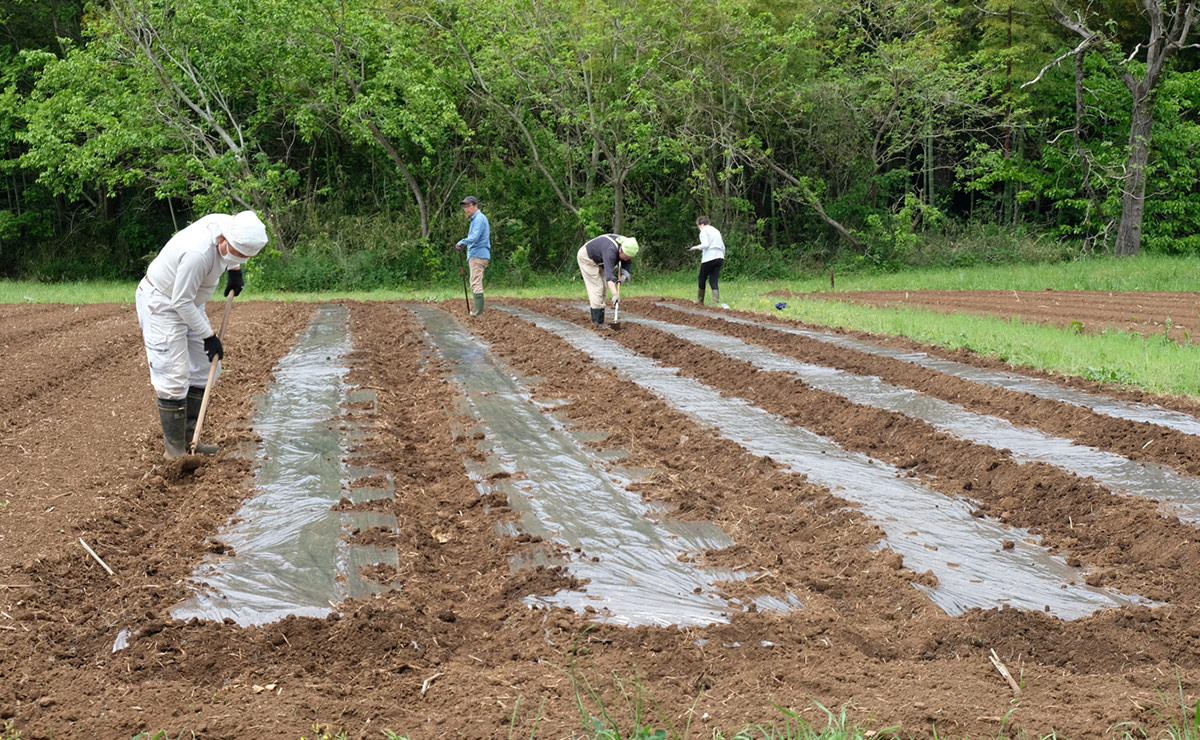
(470,199)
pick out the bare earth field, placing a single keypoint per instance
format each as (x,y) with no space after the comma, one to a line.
(454,649)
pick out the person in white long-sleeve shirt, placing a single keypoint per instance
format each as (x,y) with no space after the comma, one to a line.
(180,342)
(712,257)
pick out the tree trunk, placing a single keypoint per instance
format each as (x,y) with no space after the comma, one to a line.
(618,200)
(413,185)
(1085,162)
(929,194)
(1133,193)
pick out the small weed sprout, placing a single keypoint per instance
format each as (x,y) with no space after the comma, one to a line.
(324,732)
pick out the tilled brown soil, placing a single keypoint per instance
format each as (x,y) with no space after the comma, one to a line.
(454,652)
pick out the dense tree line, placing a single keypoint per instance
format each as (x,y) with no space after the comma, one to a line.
(808,130)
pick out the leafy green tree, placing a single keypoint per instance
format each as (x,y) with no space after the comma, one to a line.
(594,76)
(1170,28)
(385,91)
(27,27)
(870,114)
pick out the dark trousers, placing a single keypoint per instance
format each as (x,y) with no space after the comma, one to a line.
(710,271)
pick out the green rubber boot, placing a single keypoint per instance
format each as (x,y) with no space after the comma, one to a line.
(195,398)
(700,297)
(478,304)
(173,416)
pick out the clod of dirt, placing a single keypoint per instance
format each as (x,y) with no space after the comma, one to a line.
(186,466)
(929,580)
(153,628)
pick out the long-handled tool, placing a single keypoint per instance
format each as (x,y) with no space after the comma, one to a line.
(462,261)
(212,376)
(615,324)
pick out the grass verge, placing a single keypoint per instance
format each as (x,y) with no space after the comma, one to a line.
(1154,363)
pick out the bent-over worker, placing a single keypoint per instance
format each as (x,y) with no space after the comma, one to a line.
(605,260)
(180,342)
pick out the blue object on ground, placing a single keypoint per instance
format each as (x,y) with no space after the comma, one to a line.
(781,305)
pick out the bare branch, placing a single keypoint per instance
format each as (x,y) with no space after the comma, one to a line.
(1075,24)
(998,13)
(1083,45)
(1061,134)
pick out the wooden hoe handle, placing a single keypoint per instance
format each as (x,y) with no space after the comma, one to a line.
(212,376)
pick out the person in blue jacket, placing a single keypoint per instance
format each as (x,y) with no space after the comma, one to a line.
(478,242)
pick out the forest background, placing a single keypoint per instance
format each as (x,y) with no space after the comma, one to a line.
(853,134)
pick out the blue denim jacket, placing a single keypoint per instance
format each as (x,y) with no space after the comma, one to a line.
(479,237)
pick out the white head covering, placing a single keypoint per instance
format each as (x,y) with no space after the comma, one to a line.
(246,233)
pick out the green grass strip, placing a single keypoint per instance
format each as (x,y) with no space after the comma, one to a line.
(1144,272)
(1155,363)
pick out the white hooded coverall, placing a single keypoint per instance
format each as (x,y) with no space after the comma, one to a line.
(170,304)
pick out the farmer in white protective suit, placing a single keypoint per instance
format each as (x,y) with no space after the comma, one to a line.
(180,342)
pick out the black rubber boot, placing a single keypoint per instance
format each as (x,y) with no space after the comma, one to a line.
(195,399)
(598,316)
(700,297)
(478,304)
(173,416)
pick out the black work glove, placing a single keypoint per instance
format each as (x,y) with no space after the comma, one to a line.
(234,282)
(212,346)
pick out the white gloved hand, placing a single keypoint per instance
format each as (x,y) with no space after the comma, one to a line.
(624,278)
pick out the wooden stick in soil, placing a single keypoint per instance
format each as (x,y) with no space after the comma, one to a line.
(97,557)
(425,684)
(1004,672)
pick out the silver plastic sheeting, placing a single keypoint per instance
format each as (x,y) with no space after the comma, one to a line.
(633,558)
(1129,411)
(289,554)
(931,531)
(1121,474)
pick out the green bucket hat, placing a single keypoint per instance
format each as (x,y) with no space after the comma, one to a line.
(628,245)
